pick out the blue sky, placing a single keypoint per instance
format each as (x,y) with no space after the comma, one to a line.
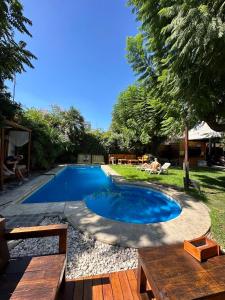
(80,47)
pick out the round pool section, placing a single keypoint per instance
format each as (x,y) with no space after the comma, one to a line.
(133,204)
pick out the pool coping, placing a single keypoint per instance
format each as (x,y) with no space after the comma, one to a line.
(193,221)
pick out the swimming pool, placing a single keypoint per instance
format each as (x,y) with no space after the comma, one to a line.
(73,183)
(125,203)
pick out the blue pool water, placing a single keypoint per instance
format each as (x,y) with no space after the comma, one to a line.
(72,184)
(126,203)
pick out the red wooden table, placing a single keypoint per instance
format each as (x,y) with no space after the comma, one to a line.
(174,274)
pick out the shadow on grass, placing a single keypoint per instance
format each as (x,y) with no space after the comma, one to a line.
(209,182)
(137,177)
(197,195)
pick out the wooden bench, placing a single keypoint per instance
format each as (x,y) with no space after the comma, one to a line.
(35,278)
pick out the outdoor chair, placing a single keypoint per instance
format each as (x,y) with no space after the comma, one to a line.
(39,277)
(164,168)
(84,159)
(143,167)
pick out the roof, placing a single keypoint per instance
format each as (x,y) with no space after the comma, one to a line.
(203,131)
(12,125)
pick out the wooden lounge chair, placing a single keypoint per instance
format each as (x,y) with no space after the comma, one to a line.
(164,168)
(36,278)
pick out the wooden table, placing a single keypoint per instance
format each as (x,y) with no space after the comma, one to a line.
(122,161)
(133,161)
(174,274)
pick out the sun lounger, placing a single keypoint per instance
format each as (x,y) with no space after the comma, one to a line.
(151,170)
(164,168)
(84,159)
(143,167)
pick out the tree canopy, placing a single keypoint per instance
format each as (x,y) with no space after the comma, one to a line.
(136,119)
(14,55)
(179,54)
(58,135)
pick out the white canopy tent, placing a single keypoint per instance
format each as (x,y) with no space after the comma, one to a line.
(202,132)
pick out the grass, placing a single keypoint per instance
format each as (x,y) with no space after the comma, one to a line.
(212,184)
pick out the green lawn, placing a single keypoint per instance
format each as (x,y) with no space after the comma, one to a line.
(212,184)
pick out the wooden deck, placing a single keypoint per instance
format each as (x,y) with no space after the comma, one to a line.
(113,286)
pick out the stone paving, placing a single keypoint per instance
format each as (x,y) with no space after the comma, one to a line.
(23,220)
(193,221)
(16,195)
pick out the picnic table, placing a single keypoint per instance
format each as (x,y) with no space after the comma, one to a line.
(174,274)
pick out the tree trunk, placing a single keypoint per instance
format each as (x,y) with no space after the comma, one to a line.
(186,160)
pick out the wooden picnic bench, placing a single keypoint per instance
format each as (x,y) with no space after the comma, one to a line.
(35,278)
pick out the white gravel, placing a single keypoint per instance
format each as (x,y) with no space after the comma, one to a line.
(86,256)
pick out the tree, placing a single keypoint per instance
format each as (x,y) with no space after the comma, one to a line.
(174,114)
(184,44)
(8,108)
(47,143)
(14,55)
(136,120)
(70,123)
(57,135)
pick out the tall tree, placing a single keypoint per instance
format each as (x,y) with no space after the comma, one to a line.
(137,117)
(184,42)
(14,55)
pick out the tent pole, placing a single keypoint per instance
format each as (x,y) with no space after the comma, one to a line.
(29,156)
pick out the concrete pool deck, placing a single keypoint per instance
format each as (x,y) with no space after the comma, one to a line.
(193,221)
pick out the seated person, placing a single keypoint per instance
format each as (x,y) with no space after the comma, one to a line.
(155,165)
(6,171)
(11,163)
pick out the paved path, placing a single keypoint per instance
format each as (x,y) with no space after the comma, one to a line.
(193,221)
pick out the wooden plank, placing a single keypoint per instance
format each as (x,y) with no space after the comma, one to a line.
(116,287)
(149,292)
(42,278)
(133,280)
(141,279)
(78,290)
(106,287)
(37,293)
(36,231)
(127,294)
(63,241)
(50,262)
(97,288)
(4,252)
(133,283)
(67,291)
(87,288)
(40,231)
